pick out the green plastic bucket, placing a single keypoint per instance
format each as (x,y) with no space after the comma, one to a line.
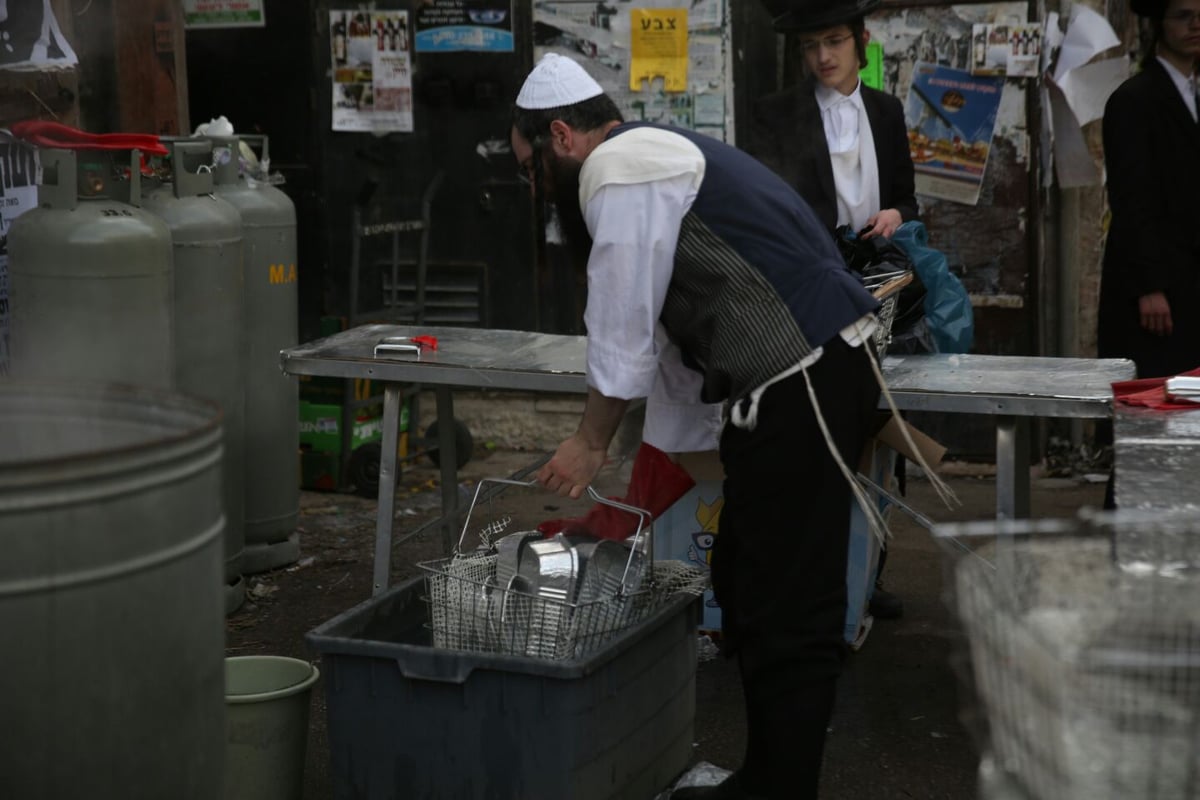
(266,702)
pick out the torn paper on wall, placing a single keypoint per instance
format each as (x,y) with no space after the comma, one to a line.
(1088,35)
(30,38)
(1076,92)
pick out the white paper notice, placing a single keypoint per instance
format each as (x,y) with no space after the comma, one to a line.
(1088,88)
(1088,35)
(1077,91)
(1073,162)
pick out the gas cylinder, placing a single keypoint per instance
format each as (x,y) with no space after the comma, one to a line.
(110,515)
(272,482)
(89,276)
(209,318)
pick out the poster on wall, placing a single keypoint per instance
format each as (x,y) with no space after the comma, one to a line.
(223,14)
(372,71)
(951,116)
(30,38)
(1012,50)
(18,193)
(659,48)
(690,84)
(444,26)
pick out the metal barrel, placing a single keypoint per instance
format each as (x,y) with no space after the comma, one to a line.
(209,315)
(272,398)
(110,600)
(89,278)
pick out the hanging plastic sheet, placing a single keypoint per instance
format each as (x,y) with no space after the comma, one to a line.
(948,312)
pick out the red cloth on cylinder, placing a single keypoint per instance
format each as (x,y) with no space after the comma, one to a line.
(655,484)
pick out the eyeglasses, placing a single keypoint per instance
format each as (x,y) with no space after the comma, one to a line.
(829,43)
(1183,16)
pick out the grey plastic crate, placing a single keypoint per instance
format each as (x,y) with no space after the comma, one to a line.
(407,720)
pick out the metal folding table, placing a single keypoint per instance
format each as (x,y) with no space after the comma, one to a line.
(1011,388)
(1157,454)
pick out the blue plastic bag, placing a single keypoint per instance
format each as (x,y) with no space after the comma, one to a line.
(948,312)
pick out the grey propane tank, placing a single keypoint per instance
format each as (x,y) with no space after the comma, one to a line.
(210,325)
(272,398)
(89,277)
(110,597)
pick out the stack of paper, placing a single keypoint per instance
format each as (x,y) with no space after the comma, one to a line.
(1184,388)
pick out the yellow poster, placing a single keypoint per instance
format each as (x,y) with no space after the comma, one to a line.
(660,47)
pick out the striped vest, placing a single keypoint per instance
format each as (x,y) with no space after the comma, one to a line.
(758,283)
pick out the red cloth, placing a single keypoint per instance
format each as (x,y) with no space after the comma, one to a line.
(45,133)
(1152,393)
(656,483)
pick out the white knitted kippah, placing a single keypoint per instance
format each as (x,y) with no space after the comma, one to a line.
(557,81)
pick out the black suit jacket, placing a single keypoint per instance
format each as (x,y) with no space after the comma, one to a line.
(786,133)
(1152,158)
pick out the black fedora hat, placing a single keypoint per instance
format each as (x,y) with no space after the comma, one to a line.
(811,15)
(1154,9)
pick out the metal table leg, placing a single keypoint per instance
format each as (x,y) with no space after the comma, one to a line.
(387,487)
(448,460)
(1012,467)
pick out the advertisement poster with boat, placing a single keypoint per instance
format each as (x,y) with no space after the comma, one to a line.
(951,115)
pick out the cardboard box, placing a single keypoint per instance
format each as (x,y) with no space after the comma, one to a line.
(687,530)
(862,553)
(862,557)
(892,435)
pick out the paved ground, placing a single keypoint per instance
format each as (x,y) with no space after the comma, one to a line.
(898,730)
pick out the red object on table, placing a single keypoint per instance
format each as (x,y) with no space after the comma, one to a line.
(426,341)
(655,484)
(1152,393)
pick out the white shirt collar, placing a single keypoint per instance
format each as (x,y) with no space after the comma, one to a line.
(1180,79)
(828,97)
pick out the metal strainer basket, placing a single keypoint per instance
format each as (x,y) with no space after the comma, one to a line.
(567,616)
(886,289)
(1084,644)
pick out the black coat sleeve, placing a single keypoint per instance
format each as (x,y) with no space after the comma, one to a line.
(901,195)
(1145,251)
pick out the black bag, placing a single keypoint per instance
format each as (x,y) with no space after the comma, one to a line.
(870,258)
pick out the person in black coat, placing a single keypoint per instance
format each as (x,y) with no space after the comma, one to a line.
(840,143)
(792,131)
(1150,283)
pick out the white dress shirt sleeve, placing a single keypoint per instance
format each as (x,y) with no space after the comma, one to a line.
(634,228)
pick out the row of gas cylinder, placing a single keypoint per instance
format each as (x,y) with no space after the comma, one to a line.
(175,271)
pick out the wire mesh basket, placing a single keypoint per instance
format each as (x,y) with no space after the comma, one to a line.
(1084,640)
(477,605)
(886,289)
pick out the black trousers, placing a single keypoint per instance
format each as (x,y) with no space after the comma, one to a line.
(779,564)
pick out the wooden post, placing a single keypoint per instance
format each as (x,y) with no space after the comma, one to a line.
(151,66)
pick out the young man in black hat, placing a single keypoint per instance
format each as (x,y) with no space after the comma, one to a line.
(711,281)
(840,143)
(1150,284)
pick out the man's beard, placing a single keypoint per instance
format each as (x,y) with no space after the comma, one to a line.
(565,178)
